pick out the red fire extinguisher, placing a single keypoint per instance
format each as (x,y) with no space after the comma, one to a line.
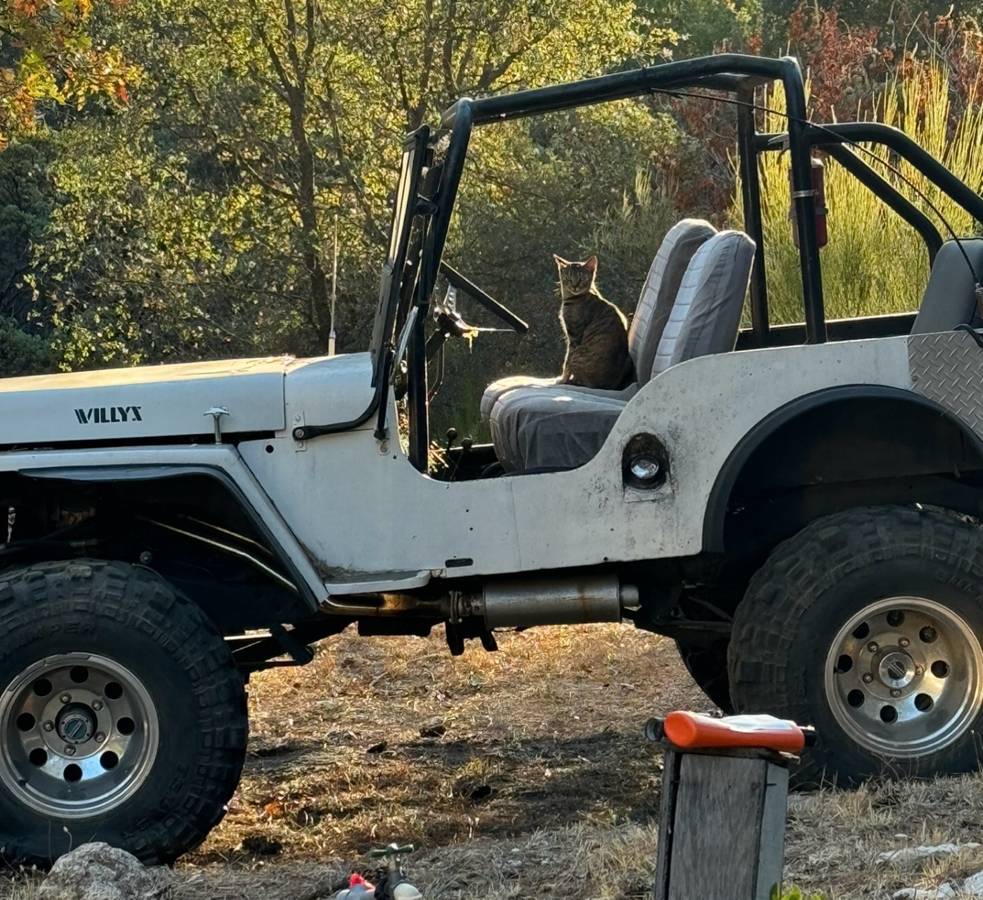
(819,198)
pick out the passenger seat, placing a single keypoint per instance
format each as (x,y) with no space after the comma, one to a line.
(562,428)
(651,314)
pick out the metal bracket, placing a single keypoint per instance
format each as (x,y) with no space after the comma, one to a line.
(297,427)
(216,412)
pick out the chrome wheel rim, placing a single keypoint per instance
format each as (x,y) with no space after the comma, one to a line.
(904,676)
(80,735)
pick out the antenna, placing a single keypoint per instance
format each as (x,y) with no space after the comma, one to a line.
(334,288)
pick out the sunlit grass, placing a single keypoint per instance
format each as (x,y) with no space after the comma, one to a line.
(875,263)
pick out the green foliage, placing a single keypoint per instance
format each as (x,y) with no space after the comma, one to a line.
(705,26)
(22,353)
(198,221)
(141,264)
(626,236)
(26,200)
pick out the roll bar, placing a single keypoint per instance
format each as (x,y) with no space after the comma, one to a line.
(736,74)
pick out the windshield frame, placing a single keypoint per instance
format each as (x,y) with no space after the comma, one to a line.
(406,210)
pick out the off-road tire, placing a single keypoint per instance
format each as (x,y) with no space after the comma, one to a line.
(707,664)
(811,586)
(136,619)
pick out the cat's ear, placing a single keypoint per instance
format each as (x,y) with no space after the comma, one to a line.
(591,264)
(560,261)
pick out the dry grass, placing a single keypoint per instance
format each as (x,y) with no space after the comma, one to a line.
(542,734)
(540,785)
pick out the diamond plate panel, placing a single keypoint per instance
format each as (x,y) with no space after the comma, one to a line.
(948,368)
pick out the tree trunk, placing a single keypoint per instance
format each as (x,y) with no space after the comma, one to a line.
(309,220)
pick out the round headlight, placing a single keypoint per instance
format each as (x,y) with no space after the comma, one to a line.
(645,462)
(645,468)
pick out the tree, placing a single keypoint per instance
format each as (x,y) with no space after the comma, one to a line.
(199,216)
(26,199)
(48,55)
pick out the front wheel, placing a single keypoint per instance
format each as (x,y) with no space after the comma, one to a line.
(122,716)
(868,625)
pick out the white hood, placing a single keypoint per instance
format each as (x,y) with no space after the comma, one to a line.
(144,402)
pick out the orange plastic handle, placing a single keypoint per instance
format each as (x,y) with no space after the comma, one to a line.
(690,731)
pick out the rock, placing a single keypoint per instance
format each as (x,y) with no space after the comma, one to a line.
(973,886)
(942,892)
(100,872)
(433,729)
(907,855)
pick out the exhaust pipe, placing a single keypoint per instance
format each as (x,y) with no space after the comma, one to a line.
(519,603)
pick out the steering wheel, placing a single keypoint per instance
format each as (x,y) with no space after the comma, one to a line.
(451,323)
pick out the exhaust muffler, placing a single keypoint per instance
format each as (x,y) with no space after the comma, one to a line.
(523,602)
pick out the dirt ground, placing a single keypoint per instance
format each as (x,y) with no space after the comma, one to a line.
(515,774)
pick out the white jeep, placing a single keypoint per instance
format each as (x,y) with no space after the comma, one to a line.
(796,506)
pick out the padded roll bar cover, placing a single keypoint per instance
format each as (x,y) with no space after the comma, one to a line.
(950,297)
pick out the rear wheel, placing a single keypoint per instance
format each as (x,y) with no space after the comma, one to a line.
(122,716)
(868,625)
(707,664)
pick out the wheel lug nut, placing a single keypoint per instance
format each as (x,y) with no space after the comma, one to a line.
(48,726)
(100,737)
(97,705)
(872,646)
(904,642)
(919,670)
(69,750)
(868,678)
(895,693)
(65,698)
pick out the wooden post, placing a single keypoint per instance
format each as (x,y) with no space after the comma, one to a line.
(722,828)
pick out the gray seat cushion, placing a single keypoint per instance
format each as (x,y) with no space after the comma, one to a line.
(559,428)
(554,429)
(950,297)
(651,314)
(496,389)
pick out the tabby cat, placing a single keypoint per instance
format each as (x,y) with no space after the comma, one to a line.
(596,331)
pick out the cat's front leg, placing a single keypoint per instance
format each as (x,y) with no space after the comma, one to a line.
(565,374)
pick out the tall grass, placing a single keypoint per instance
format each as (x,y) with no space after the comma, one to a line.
(875,262)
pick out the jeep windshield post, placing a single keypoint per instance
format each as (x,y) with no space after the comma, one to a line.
(433,162)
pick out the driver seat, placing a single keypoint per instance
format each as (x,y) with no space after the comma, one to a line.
(557,429)
(651,314)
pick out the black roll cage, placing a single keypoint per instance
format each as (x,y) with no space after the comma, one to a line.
(408,281)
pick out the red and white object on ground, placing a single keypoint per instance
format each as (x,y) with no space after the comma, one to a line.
(358,889)
(692,731)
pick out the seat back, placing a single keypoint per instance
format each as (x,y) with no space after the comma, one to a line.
(706,316)
(950,296)
(660,289)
